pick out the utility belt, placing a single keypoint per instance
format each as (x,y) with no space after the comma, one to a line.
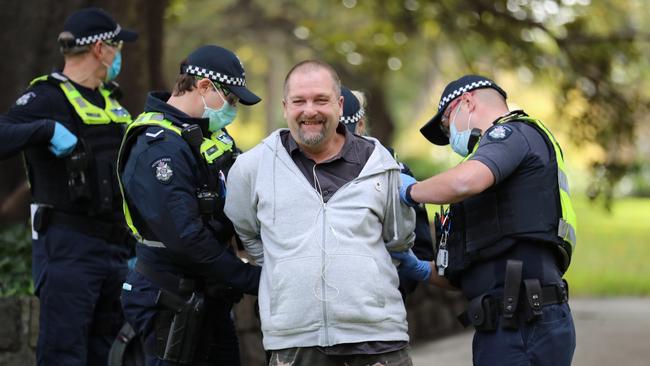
(513,305)
(178,325)
(113,233)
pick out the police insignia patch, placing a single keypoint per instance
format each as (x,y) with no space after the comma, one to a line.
(25,98)
(499,133)
(163,170)
(223,137)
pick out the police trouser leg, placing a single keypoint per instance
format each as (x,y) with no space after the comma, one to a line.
(69,272)
(549,341)
(216,344)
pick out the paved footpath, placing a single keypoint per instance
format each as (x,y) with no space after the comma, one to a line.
(610,332)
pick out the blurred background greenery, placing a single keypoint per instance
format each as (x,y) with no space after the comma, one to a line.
(581,66)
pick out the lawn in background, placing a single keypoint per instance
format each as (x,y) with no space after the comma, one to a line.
(613,253)
(613,249)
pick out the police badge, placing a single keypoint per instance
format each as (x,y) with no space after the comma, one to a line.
(499,133)
(163,170)
(25,98)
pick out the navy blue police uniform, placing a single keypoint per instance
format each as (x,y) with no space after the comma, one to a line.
(15,137)
(423,248)
(503,246)
(183,251)
(80,244)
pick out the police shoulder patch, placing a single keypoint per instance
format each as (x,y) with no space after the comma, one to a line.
(25,98)
(499,133)
(155,134)
(162,170)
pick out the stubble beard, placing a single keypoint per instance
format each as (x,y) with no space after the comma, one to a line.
(312,138)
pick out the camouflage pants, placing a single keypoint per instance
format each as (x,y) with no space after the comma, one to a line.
(311,356)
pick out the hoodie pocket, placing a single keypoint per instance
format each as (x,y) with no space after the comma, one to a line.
(360,298)
(294,300)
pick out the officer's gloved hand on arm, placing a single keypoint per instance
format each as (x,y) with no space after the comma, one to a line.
(407,181)
(63,141)
(411,267)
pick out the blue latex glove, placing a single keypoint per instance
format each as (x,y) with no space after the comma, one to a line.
(131,262)
(63,141)
(411,267)
(407,181)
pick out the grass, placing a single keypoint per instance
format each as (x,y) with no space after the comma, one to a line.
(613,249)
(611,258)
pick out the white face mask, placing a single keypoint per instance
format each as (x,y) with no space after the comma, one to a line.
(219,118)
(459,141)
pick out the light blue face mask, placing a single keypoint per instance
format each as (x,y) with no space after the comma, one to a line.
(459,141)
(219,118)
(114,69)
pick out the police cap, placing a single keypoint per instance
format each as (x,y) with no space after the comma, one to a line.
(87,26)
(431,130)
(352,111)
(221,66)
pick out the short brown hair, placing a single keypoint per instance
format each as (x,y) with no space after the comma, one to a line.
(184,83)
(315,64)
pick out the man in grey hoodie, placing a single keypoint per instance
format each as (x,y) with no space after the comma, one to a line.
(317,207)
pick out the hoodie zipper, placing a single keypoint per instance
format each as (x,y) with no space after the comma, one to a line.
(323,283)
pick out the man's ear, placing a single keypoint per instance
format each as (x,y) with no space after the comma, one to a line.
(470,99)
(203,85)
(284,109)
(96,49)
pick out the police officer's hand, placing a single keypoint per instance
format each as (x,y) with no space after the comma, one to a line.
(411,267)
(407,181)
(63,141)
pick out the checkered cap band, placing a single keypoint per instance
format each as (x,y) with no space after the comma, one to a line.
(97,37)
(353,118)
(458,92)
(215,76)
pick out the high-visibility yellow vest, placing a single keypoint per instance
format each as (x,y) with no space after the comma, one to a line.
(89,113)
(567,224)
(211,149)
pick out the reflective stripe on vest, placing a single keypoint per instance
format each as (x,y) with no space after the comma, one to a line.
(89,113)
(211,149)
(567,225)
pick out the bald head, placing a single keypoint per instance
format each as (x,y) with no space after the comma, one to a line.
(490,97)
(313,65)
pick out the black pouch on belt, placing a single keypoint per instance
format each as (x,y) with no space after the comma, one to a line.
(482,313)
(511,294)
(533,308)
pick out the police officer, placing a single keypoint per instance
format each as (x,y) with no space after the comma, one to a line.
(354,119)
(510,231)
(79,250)
(172,167)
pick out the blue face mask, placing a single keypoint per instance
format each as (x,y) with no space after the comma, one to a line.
(459,141)
(219,118)
(114,69)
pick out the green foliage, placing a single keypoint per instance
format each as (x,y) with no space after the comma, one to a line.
(15,260)
(592,55)
(612,252)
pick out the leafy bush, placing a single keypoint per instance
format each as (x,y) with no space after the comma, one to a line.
(15,260)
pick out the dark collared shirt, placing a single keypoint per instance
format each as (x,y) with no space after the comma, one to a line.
(327,177)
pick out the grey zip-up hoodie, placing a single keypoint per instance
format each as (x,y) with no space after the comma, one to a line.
(327,277)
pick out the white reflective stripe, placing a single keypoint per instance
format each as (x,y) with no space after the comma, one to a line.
(563,181)
(152,243)
(126,286)
(566,232)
